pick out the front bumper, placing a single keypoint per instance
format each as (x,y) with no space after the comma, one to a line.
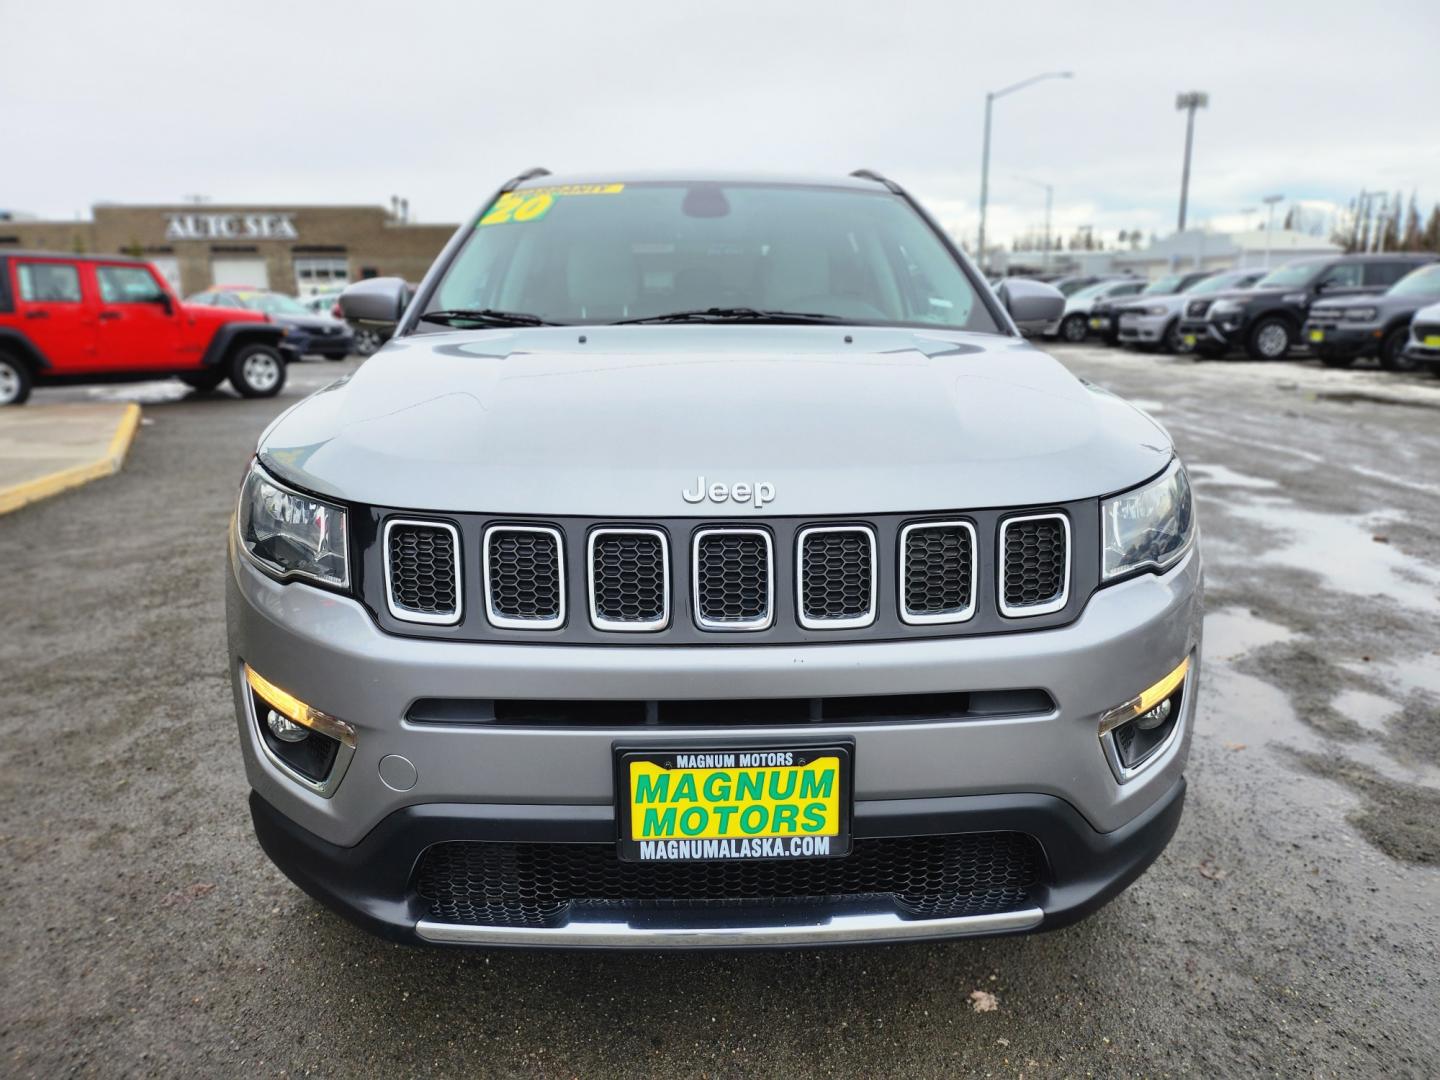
(1207,335)
(1341,340)
(1423,354)
(370,882)
(1045,774)
(1143,329)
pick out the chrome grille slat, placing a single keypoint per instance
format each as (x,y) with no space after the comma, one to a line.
(937,572)
(835,577)
(629,579)
(733,578)
(524,573)
(422,571)
(1034,564)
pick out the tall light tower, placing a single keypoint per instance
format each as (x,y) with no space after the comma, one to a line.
(1270,201)
(1191,101)
(985,155)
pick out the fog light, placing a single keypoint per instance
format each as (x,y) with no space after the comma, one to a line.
(292,708)
(285,729)
(1151,700)
(1156,716)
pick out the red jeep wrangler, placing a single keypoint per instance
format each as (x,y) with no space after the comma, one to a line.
(106,318)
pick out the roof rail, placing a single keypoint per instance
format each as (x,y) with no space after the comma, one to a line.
(871,174)
(528,174)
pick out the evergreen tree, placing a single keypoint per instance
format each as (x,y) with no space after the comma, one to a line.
(1410,239)
(1430,238)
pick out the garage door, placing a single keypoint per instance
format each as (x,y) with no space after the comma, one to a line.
(249,272)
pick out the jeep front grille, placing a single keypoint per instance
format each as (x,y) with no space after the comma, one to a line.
(524,577)
(629,579)
(836,575)
(1035,572)
(734,586)
(937,572)
(422,571)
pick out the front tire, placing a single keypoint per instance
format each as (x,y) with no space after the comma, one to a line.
(15,380)
(257,371)
(1270,339)
(1171,339)
(367,342)
(1392,351)
(1074,329)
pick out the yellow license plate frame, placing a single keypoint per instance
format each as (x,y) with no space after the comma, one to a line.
(707,804)
(1432,341)
(1317,336)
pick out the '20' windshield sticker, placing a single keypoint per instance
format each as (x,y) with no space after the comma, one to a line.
(532,204)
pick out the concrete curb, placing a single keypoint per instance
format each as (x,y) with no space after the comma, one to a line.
(18,495)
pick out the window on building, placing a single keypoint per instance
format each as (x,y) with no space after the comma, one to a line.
(128,285)
(49,283)
(320,274)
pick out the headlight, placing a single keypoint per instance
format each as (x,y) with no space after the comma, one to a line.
(292,535)
(1156,309)
(1360,314)
(1150,527)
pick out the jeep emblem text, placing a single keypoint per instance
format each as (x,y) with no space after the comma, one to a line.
(760,492)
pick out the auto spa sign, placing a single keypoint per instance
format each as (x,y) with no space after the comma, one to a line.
(265,226)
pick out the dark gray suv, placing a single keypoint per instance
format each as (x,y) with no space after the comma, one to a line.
(710,562)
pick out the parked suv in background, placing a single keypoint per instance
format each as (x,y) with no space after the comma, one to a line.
(311,333)
(1266,320)
(1104,314)
(1342,330)
(1074,323)
(1423,349)
(106,318)
(712,563)
(1154,321)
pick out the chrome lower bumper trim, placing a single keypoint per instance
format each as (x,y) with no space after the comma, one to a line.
(836,929)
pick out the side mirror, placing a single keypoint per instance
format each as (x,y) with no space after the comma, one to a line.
(164,301)
(1032,305)
(380,301)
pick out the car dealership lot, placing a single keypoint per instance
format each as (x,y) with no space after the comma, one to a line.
(1291,925)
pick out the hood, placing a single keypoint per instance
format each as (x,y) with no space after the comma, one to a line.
(535,422)
(224,314)
(1384,304)
(307,322)
(1172,302)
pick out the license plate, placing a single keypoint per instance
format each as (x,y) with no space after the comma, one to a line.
(775,802)
(1432,341)
(1189,340)
(1317,335)
(1099,324)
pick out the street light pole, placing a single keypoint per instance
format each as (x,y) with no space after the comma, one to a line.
(985,153)
(1195,99)
(1270,201)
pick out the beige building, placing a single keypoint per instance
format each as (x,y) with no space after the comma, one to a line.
(300,250)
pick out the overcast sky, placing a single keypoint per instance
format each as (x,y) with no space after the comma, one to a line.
(308,102)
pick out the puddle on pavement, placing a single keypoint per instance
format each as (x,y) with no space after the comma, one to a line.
(1232,632)
(1421,674)
(1222,476)
(1344,552)
(1370,711)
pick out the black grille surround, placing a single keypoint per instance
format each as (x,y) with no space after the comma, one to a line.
(539,885)
(422,567)
(367,525)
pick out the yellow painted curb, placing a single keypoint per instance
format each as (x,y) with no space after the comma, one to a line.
(18,495)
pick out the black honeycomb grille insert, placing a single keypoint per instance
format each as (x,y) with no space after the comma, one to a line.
(939,570)
(837,580)
(537,885)
(628,578)
(732,578)
(423,578)
(524,574)
(1035,562)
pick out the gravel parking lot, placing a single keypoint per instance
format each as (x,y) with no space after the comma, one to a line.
(1290,928)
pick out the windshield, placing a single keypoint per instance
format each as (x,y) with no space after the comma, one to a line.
(1286,277)
(1422,282)
(1163,285)
(1092,291)
(272,303)
(601,253)
(1218,283)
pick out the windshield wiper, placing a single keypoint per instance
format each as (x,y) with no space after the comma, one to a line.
(734,314)
(484,317)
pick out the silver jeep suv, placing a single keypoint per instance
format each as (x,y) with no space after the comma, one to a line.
(710,562)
